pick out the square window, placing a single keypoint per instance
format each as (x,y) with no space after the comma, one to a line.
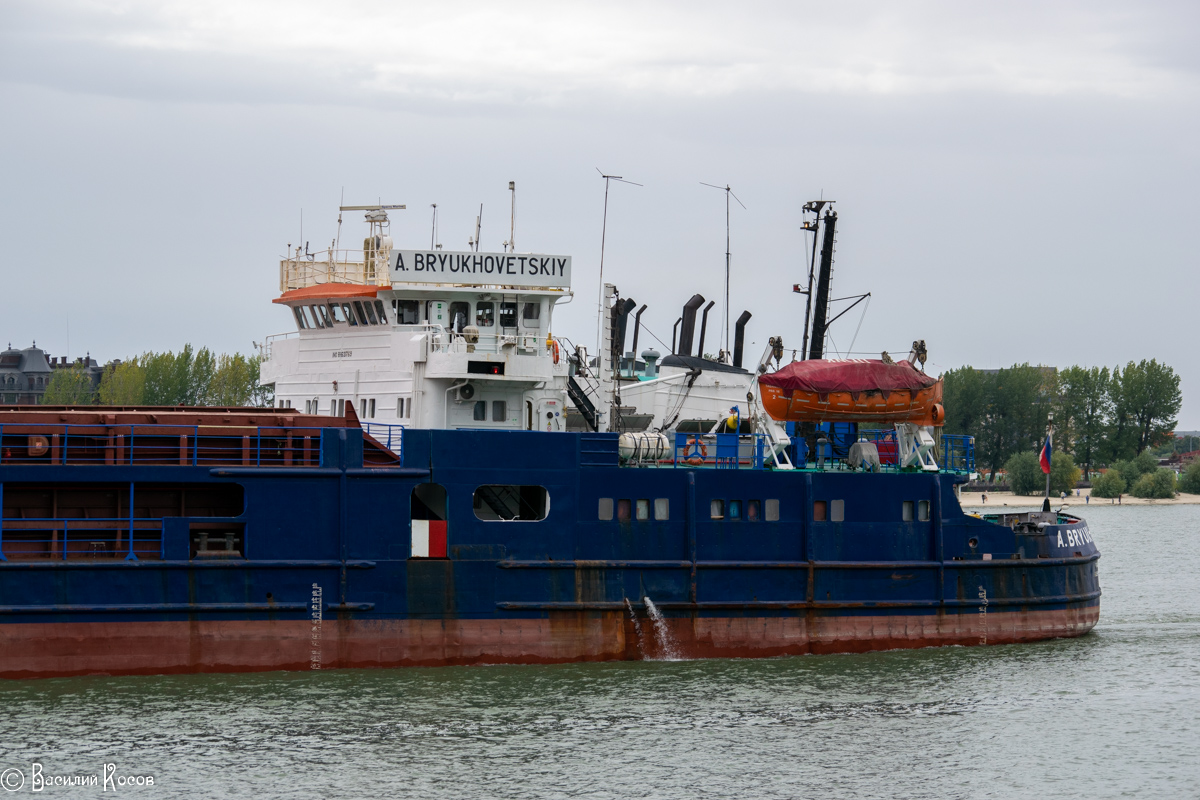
(606,508)
(362,408)
(837,510)
(485,315)
(643,509)
(906,511)
(499,411)
(772,510)
(735,509)
(408,312)
(371,408)
(624,507)
(508,314)
(530,314)
(662,508)
(818,510)
(753,512)
(923,510)
(481,410)
(716,509)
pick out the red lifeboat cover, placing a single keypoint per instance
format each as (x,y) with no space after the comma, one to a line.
(851,375)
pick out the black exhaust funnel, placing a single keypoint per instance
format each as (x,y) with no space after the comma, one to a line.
(689,324)
(637,328)
(620,319)
(675,335)
(739,337)
(704,327)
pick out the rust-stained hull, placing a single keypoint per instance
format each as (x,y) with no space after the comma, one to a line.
(39,650)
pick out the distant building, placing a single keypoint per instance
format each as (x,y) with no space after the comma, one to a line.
(25,374)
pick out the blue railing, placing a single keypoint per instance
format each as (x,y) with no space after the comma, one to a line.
(719,450)
(63,538)
(179,445)
(958,453)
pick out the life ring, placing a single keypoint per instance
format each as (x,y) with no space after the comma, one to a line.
(696,451)
(554,350)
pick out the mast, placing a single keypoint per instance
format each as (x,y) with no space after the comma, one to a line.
(821,304)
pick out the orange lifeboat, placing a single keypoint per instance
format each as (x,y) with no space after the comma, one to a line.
(852,390)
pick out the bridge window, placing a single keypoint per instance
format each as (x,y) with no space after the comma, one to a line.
(371,318)
(349,314)
(325,321)
(508,315)
(407,312)
(460,313)
(336,312)
(642,509)
(530,314)
(605,511)
(818,510)
(485,315)
(662,508)
(511,503)
(298,311)
(316,318)
(716,509)
(383,320)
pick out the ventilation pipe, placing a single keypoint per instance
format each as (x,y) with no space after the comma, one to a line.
(704,327)
(739,337)
(637,327)
(620,317)
(674,333)
(689,324)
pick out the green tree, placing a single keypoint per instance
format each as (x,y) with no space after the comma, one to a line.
(69,387)
(1146,400)
(123,384)
(1084,410)
(1017,404)
(1159,484)
(1025,474)
(1134,468)
(233,381)
(965,396)
(160,379)
(1189,481)
(1064,475)
(1108,484)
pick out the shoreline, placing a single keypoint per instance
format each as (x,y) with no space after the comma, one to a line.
(1080,500)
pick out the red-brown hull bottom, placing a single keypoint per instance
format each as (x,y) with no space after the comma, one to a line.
(39,650)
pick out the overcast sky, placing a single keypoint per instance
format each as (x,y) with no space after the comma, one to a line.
(1016,182)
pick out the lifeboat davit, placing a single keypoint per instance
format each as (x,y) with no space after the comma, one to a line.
(852,390)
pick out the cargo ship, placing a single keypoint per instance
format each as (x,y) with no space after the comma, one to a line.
(417,497)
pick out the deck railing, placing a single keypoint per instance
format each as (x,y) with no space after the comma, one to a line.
(72,538)
(180,445)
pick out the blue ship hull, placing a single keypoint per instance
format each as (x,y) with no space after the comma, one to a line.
(313,567)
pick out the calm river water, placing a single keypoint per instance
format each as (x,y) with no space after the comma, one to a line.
(1114,714)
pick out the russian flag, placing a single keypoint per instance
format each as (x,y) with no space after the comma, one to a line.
(1045,456)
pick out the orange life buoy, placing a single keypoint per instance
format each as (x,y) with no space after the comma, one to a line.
(554,350)
(696,450)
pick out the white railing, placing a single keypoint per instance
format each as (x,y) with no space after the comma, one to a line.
(443,341)
(361,267)
(264,349)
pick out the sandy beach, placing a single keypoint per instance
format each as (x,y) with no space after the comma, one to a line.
(1001,499)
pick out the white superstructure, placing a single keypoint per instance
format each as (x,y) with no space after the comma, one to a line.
(431,339)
